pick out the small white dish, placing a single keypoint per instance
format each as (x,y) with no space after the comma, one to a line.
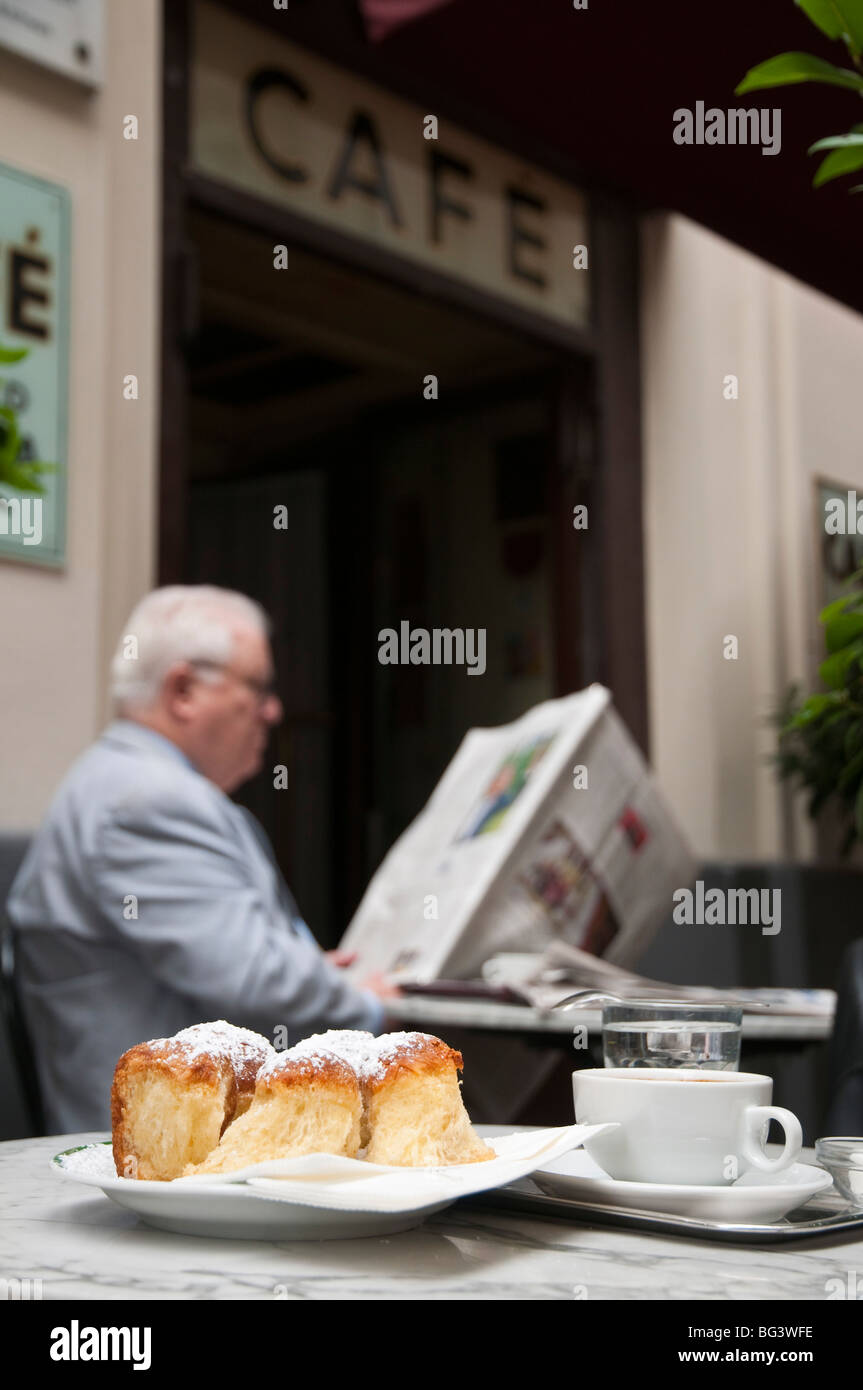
(319,1197)
(756,1198)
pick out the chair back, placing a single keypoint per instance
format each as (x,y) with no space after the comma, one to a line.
(21,1114)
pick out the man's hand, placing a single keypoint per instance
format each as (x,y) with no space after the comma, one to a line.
(341,958)
(381,985)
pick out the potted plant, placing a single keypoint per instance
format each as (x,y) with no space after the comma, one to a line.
(821,734)
(842,21)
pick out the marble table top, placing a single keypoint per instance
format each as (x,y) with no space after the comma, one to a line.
(82,1246)
(521,1018)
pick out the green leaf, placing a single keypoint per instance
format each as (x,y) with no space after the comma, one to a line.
(840,605)
(15,475)
(840,162)
(10,447)
(788,68)
(13,354)
(823,15)
(814,707)
(842,630)
(837,142)
(838,19)
(836,669)
(830,719)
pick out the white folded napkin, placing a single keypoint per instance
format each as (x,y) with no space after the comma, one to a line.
(351,1184)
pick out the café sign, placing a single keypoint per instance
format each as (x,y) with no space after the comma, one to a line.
(283,124)
(34,278)
(66,35)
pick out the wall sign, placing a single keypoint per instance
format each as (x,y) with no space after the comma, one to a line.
(66,35)
(839,531)
(287,126)
(34,278)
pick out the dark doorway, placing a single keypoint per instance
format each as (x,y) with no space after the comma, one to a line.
(331,480)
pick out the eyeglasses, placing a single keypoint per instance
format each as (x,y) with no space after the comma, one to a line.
(263,690)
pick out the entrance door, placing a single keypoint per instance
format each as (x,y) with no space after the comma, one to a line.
(235,543)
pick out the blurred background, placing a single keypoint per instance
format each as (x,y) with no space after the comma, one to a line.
(430,276)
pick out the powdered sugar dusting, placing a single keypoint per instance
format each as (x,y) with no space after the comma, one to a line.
(313,1059)
(89,1161)
(369,1056)
(397,1045)
(239,1046)
(352,1045)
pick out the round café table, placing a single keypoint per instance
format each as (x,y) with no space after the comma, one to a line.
(80,1245)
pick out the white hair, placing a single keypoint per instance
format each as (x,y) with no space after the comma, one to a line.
(178,623)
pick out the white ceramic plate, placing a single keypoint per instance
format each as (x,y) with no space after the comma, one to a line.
(235,1210)
(319,1197)
(754,1198)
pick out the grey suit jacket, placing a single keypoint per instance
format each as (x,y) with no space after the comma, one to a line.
(149,901)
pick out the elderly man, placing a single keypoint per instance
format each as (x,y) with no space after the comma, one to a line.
(149,900)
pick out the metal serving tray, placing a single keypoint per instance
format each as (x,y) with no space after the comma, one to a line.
(826,1214)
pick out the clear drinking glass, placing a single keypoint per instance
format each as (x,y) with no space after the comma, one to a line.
(673,1034)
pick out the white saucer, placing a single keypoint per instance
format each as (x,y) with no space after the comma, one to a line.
(754,1198)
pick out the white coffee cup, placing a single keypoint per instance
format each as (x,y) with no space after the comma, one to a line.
(682,1124)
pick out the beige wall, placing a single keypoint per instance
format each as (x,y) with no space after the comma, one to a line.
(730,527)
(57,628)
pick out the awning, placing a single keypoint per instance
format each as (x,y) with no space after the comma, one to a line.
(382,17)
(597,89)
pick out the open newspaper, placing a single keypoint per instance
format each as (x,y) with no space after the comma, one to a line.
(549,829)
(546,980)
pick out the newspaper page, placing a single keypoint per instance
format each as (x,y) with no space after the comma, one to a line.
(547,829)
(546,980)
(596,868)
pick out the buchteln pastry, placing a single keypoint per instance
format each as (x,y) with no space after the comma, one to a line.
(307,1100)
(354,1047)
(415,1112)
(173,1098)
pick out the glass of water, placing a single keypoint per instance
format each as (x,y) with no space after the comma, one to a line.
(673,1034)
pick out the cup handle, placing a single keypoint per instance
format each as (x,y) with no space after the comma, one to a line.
(754,1121)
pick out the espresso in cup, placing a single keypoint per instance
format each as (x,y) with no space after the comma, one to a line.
(682,1126)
